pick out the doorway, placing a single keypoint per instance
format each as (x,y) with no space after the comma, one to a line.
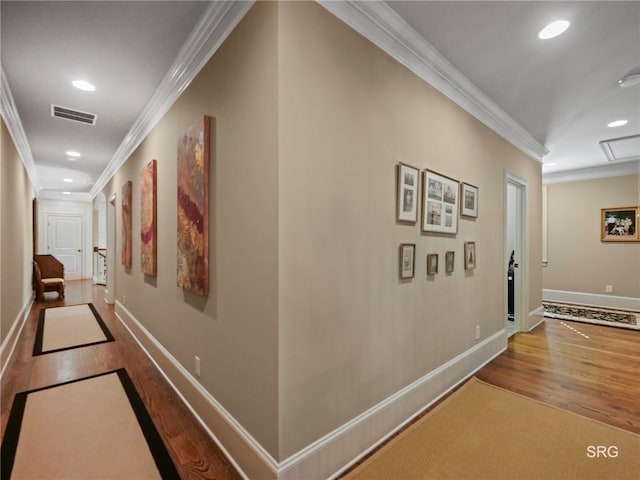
(64,240)
(110,291)
(515,255)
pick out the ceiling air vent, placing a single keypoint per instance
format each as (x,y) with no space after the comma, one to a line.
(623,149)
(73,115)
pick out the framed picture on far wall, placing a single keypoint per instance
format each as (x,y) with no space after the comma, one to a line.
(619,224)
(469,255)
(468,200)
(407,260)
(407,191)
(439,203)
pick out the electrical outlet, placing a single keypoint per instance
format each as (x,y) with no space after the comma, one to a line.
(477,332)
(196,366)
(608,288)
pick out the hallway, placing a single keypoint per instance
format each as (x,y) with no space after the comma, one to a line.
(193,452)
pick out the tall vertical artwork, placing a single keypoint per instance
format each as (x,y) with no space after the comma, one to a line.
(126,224)
(193,208)
(148,228)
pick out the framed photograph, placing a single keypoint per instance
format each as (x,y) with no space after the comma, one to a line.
(439,203)
(468,200)
(619,224)
(469,255)
(407,260)
(407,191)
(449,260)
(432,263)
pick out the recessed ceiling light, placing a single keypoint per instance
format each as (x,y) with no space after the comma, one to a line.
(66,193)
(68,180)
(73,154)
(617,123)
(629,80)
(553,29)
(83,85)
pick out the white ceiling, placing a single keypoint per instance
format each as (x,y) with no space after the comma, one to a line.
(562,91)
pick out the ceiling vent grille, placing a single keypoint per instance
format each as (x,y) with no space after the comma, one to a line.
(623,149)
(73,115)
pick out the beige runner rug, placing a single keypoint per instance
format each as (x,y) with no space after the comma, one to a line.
(63,328)
(485,432)
(92,428)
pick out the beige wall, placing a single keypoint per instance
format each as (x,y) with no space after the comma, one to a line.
(578,260)
(306,324)
(16,244)
(351,333)
(235,329)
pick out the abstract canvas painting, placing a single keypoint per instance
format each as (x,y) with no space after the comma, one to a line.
(193,208)
(148,232)
(126,224)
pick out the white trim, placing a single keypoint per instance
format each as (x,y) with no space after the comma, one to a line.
(380,24)
(20,320)
(592,173)
(592,299)
(537,312)
(14,125)
(330,455)
(216,23)
(242,435)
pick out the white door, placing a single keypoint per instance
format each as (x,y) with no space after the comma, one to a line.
(515,253)
(64,241)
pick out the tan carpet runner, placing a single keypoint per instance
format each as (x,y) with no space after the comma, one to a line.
(92,428)
(485,432)
(63,328)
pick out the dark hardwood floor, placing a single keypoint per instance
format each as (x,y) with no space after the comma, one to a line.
(588,369)
(598,377)
(195,455)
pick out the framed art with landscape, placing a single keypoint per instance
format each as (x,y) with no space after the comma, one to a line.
(468,200)
(407,260)
(619,224)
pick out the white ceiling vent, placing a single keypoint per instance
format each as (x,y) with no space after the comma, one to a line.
(73,115)
(623,149)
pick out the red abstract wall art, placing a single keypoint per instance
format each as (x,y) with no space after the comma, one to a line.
(148,222)
(193,208)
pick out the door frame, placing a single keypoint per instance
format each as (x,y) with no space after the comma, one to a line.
(110,289)
(521,276)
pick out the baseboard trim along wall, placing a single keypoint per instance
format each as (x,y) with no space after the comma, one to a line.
(336,451)
(244,452)
(331,455)
(592,299)
(536,317)
(14,334)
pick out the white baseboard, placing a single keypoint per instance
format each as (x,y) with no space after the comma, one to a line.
(329,456)
(534,322)
(592,299)
(332,454)
(14,334)
(242,450)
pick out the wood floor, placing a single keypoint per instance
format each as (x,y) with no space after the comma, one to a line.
(598,377)
(195,455)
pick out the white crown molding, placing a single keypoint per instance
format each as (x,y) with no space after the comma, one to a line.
(380,24)
(216,23)
(592,173)
(14,125)
(74,196)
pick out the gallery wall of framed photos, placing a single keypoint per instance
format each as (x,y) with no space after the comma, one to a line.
(444,200)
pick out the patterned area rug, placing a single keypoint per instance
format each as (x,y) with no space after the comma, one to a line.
(601,316)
